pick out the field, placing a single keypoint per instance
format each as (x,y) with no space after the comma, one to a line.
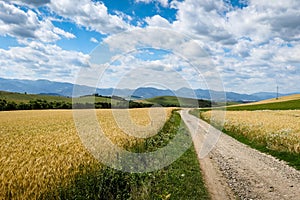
(41,156)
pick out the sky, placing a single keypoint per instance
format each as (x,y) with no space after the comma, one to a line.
(243,46)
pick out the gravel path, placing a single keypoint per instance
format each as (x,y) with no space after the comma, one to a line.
(233,170)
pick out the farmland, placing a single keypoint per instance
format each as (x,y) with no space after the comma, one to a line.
(42,157)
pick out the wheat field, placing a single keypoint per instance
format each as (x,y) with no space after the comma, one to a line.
(41,150)
(279,130)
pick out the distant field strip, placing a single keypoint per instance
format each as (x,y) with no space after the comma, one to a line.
(280,105)
(277,130)
(280,99)
(40,150)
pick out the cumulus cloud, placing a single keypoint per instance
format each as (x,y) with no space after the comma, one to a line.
(203,19)
(264,67)
(157,21)
(164,3)
(34,3)
(263,20)
(89,14)
(37,60)
(22,24)
(130,71)
(253,47)
(94,40)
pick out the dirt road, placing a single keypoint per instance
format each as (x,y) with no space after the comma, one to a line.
(233,170)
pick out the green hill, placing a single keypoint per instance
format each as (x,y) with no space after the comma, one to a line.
(25,98)
(172,101)
(18,101)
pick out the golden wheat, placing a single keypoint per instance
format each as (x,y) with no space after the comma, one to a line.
(279,130)
(40,150)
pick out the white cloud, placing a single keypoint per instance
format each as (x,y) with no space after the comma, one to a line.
(164,3)
(263,20)
(63,33)
(34,3)
(94,40)
(89,14)
(157,21)
(27,25)
(170,72)
(264,67)
(38,60)
(253,48)
(203,19)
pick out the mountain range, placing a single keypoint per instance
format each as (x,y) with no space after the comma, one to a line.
(66,89)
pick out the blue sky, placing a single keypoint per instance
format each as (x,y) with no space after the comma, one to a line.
(250,45)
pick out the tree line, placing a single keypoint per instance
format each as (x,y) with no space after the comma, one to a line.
(40,104)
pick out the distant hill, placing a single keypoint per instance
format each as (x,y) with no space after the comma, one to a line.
(25,98)
(171,101)
(24,101)
(66,89)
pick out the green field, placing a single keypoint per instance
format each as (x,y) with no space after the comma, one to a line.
(281,105)
(25,98)
(172,101)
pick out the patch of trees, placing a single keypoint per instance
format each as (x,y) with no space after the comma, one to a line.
(131,104)
(188,104)
(37,104)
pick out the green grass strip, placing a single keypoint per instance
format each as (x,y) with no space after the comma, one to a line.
(284,105)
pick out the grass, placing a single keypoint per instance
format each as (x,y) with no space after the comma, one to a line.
(173,101)
(180,180)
